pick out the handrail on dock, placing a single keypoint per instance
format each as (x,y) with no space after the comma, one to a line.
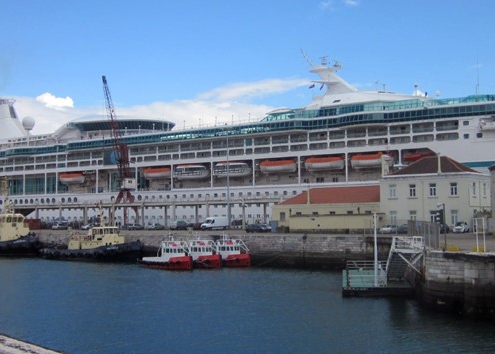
(361,274)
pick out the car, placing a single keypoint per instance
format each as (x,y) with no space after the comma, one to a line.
(461,227)
(403,229)
(444,229)
(60,226)
(178,225)
(155,226)
(194,225)
(257,228)
(133,227)
(86,226)
(389,229)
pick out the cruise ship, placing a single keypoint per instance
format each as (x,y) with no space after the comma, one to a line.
(344,136)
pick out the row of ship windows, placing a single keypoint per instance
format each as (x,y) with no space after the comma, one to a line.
(332,135)
(31,162)
(175,197)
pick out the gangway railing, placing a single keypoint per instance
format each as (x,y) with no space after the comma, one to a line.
(405,251)
(361,274)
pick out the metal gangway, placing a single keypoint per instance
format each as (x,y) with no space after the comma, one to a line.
(380,278)
(405,251)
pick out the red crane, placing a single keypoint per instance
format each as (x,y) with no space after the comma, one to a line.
(121,155)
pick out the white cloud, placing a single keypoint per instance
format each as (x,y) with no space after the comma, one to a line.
(246,91)
(218,106)
(51,101)
(326,4)
(351,2)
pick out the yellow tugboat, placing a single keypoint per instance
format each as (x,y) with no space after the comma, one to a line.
(101,243)
(15,237)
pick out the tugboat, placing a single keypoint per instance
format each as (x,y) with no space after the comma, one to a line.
(235,253)
(101,243)
(15,237)
(204,255)
(172,255)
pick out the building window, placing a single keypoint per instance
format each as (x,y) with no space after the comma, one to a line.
(282,216)
(474,189)
(453,189)
(393,217)
(412,190)
(393,191)
(412,214)
(433,214)
(433,189)
(454,217)
(484,190)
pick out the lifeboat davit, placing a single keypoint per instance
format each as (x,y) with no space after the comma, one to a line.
(370,160)
(157,172)
(278,166)
(72,178)
(324,163)
(232,169)
(183,172)
(408,158)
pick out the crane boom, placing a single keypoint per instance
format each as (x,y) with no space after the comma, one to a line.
(121,154)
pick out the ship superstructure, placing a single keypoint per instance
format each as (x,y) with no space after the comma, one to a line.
(344,136)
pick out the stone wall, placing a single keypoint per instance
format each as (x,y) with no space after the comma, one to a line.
(462,283)
(294,250)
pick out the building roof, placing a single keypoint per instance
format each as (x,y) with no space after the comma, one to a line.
(433,164)
(337,195)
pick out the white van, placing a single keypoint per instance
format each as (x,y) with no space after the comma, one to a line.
(215,223)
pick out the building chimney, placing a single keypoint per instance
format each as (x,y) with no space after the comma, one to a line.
(439,159)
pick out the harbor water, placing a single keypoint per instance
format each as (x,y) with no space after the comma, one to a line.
(122,308)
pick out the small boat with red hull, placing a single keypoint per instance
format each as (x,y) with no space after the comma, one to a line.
(172,255)
(235,253)
(204,254)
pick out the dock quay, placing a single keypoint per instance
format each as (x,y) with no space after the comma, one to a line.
(9,345)
(460,282)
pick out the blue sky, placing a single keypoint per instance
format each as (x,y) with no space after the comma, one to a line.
(195,62)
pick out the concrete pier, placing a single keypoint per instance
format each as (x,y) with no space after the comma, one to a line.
(457,282)
(10,345)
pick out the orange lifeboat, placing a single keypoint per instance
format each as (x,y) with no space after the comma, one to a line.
(157,172)
(370,160)
(416,156)
(324,163)
(277,166)
(72,178)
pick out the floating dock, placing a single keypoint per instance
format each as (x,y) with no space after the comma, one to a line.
(360,282)
(384,278)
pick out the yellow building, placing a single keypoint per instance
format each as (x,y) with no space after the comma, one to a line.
(332,209)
